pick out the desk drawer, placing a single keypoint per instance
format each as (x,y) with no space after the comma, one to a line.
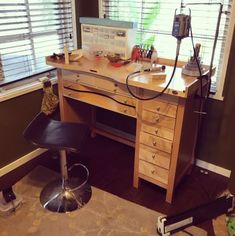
(158,131)
(153,171)
(99,82)
(157,119)
(113,86)
(155,156)
(81,78)
(161,107)
(120,98)
(106,101)
(155,142)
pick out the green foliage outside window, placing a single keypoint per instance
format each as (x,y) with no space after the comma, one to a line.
(130,11)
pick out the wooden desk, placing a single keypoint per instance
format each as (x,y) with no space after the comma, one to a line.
(166,126)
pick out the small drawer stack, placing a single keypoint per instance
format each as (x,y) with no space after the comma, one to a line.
(156,140)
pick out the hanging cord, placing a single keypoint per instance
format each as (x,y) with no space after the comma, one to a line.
(160,93)
(199,68)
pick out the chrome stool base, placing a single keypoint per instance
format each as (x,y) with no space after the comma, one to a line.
(61,197)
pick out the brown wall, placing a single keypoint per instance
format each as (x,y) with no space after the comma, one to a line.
(16,113)
(217,138)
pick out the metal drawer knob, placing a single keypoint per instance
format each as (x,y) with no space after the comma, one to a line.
(154,156)
(77,80)
(70,94)
(153,172)
(154,143)
(125,110)
(158,108)
(156,131)
(156,118)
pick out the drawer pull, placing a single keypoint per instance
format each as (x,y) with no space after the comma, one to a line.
(156,118)
(125,101)
(153,172)
(154,156)
(156,131)
(158,108)
(77,80)
(70,94)
(115,90)
(154,143)
(125,110)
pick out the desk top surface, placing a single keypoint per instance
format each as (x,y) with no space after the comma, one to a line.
(181,85)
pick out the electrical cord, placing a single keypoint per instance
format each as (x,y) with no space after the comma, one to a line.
(194,51)
(199,69)
(166,87)
(197,61)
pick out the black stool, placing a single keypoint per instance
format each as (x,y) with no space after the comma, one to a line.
(64,194)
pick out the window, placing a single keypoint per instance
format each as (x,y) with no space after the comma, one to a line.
(155,18)
(29,31)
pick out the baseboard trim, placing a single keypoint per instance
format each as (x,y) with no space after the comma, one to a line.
(22,160)
(213,168)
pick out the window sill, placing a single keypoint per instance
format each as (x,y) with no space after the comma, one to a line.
(216,96)
(20,88)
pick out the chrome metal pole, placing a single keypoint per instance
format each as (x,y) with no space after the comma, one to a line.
(63,165)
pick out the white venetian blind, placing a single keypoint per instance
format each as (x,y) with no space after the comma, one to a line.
(155,19)
(29,31)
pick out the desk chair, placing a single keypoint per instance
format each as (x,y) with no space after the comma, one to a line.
(64,194)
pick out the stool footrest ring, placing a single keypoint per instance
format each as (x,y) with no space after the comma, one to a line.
(86,179)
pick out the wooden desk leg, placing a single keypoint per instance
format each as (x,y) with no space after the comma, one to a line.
(175,156)
(93,121)
(136,181)
(169,195)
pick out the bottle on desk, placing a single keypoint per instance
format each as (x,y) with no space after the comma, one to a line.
(66,54)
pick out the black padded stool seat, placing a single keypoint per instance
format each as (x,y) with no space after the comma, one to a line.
(51,134)
(67,193)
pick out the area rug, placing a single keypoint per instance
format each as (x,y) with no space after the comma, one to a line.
(104,215)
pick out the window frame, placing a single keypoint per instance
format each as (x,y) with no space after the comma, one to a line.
(228,44)
(218,95)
